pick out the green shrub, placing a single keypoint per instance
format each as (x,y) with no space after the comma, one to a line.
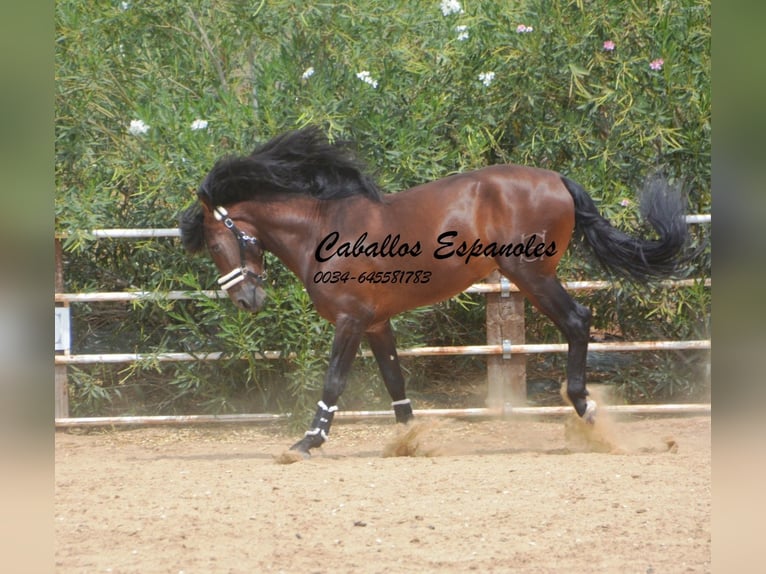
(435,99)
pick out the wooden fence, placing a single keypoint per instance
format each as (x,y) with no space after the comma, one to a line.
(506,349)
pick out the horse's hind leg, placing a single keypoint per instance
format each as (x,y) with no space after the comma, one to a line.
(573,320)
(383,345)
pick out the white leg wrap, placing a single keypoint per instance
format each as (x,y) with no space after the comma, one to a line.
(314,432)
(402,402)
(322,421)
(324,407)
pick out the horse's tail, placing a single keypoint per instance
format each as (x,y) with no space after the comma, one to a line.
(638,258)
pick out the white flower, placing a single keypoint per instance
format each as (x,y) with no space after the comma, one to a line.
(199,125)
(364,75)
(522,29)
(486,78)
(451,7)
(124,6)
(462,32)
(138,127)
(308,73)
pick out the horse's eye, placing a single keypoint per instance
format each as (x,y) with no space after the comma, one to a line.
(215,248)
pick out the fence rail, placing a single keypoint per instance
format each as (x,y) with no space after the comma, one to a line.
(121,233)
(105,296)
(351,416)
(506,374)
(522,349)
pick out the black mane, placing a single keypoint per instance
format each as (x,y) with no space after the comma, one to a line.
(298,162)
(192,234)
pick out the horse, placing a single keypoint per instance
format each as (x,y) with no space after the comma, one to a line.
(365,256)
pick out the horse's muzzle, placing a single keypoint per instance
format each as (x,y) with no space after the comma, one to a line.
(248,296)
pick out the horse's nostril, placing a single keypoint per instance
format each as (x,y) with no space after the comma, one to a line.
(242,302)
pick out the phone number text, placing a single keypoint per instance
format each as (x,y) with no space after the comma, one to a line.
(393,277)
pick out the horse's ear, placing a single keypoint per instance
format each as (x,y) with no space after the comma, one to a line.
(205,201)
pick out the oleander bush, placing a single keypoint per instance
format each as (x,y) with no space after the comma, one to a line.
(150,94)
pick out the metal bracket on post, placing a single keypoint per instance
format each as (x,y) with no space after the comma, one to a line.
(505,287)
(507,406)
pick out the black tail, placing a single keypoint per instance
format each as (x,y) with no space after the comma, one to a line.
(633,257)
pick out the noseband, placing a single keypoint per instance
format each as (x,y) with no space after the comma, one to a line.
(228,281)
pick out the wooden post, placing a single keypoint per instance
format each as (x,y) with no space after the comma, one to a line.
(61,378)
(506,373)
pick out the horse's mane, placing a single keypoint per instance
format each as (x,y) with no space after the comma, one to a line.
(301,162)
(298,162)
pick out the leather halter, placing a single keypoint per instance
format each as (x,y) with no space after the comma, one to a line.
(239,274)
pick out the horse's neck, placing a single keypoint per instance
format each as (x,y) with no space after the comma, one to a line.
(289,229)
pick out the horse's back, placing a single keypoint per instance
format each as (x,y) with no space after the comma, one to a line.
(507,178)
(505,196)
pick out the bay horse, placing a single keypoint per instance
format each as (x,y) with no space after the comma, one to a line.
(365,256)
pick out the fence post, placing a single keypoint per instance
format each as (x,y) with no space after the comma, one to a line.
(506,373)
(60,378)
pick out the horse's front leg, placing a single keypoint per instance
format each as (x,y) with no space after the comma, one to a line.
(348,334)
(383,345)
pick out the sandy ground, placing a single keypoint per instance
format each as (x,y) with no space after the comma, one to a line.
(485,496)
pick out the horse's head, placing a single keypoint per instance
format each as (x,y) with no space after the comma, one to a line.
(234,248)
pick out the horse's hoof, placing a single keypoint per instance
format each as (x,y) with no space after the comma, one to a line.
(293,455)
(301,448)
(589,416)
(302,452)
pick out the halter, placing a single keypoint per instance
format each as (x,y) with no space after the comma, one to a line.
(243,240)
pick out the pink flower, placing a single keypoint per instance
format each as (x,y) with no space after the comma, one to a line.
(657,64)
(608,45)
(523,29)
(625,202)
